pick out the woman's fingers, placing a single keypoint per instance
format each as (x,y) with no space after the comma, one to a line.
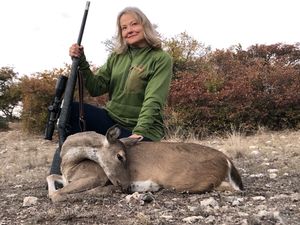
(75,50)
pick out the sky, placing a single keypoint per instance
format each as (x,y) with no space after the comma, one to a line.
(36,34)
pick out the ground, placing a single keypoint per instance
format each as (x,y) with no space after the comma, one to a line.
(268,163)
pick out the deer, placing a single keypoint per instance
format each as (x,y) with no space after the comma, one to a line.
(91,160)
(82,168)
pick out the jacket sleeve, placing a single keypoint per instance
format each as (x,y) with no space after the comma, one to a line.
(155,94)
(98,83)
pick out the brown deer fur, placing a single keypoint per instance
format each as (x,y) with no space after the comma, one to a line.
(91,160)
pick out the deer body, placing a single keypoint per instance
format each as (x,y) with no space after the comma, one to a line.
(91,160)
(181,166)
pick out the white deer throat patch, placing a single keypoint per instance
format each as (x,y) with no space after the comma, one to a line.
(142,186)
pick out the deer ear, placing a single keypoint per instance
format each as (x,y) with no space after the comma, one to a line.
(113,133)
(128,142)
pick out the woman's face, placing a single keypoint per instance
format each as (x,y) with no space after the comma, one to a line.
(132,30)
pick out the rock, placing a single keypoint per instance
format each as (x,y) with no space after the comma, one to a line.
(262,213)
(270,215)
(192,219)
(235,203)
(147,197)
(273,170)
(268,142)
(280,196)
(139,198)
(255,152)
(167,217)
(258,198)
(272,175)
(295,197)
(257,175)
(209,202)
(243,214)
(134,196)
(194,198)
(244,222)
(193,208)
(29,201)
(11,195)
(211,219)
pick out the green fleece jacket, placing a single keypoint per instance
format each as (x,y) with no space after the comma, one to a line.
(138,83)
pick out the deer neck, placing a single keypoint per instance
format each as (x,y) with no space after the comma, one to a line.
(74,152)
(77,154)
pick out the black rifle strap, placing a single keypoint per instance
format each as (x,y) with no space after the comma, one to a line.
(82,123)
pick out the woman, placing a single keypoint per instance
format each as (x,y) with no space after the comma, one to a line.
(136,76)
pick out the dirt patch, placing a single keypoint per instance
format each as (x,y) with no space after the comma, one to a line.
(268,162)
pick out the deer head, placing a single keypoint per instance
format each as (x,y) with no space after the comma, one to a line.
(112,157)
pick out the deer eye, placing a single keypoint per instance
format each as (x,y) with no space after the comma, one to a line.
(120,157)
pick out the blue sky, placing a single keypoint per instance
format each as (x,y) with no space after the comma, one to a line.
(36,34)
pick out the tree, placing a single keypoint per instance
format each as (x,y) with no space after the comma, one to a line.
(110,44)
(10,93)
(185,51)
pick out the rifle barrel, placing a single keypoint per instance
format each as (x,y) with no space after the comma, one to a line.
(69,92)
(87,6)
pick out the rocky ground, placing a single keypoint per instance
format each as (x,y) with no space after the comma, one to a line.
(268,162)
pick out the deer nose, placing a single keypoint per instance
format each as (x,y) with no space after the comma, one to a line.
(119,183)
(124,188)
(127,190)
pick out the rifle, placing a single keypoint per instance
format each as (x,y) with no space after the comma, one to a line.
(54,108)
(69,92)
(67,100)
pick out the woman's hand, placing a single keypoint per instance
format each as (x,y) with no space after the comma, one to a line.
(76,51)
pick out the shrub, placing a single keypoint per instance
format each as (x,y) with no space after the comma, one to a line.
(38,91)
(244,89)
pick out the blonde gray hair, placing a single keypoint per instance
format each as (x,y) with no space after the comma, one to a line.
(150,34)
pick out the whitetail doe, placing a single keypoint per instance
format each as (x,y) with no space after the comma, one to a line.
(91,160)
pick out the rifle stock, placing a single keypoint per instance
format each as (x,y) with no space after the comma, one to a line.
(70,87)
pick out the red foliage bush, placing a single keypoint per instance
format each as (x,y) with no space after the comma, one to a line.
(37,94)
(244,89)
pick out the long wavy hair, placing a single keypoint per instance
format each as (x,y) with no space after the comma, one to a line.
(150,34)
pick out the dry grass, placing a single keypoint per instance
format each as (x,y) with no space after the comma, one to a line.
(236,144)
(24,156)
(25,163)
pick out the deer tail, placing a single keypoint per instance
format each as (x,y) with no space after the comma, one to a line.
(234,177)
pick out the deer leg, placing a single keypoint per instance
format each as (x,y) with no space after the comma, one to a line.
(224,186)
(76,186)
(205,185)
(103,190)
(51,179)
